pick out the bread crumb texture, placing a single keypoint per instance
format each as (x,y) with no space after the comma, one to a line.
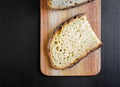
(61,4)
(72,42)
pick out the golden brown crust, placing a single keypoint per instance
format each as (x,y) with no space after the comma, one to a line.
(49,4)
(55,32)
(51,7)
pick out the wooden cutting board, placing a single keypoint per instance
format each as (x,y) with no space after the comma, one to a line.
(50,19)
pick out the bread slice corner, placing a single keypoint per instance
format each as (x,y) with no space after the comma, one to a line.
(71,41)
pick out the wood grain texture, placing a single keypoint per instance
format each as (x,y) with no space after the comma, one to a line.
(50,19)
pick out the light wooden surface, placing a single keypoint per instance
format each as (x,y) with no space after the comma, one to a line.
(50,19)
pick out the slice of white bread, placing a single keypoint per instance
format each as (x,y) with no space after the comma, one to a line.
(63,4)
(71,41)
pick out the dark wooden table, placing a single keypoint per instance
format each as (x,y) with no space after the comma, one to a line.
(19,48)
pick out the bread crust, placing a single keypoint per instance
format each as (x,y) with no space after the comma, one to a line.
(51,7)
(58,30)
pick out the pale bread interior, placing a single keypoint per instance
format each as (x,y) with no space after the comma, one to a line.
(72,42)
(61,4)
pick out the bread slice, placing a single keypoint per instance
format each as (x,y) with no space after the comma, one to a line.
(71,41)
(63,4)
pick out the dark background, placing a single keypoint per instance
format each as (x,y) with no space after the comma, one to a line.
(19,47)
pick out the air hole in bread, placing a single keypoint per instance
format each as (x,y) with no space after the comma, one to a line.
(59,62)
(64,49)
(76,4)
(67,56)
(55,38)
(60,49)
(70,2)
(57,48)
(78,30)
(56,42)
